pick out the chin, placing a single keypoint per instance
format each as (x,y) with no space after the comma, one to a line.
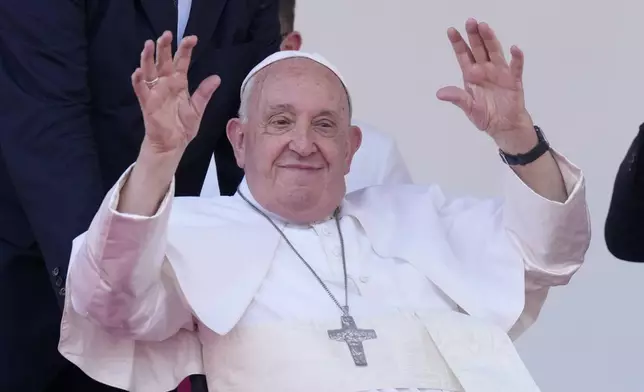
(301,198)
(306,198)
(302,204)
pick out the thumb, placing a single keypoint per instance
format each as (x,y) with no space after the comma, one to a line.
(457,96)
(204,92)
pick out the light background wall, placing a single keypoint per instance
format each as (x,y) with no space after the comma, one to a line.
(584,85)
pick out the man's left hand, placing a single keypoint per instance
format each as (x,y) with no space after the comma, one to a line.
(492,96)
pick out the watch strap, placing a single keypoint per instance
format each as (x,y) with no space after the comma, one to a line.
(523,159)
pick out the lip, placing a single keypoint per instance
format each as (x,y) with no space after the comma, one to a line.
(299,166)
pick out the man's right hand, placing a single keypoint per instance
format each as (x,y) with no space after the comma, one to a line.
(171,117)
(170,114)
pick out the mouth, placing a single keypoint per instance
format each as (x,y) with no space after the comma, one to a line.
(299,166)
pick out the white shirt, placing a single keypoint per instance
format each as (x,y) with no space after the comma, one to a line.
(377,162)
(183,14)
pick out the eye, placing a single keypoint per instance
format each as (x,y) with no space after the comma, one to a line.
(326,128)
(280,121)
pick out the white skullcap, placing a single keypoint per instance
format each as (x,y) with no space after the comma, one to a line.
(289,54)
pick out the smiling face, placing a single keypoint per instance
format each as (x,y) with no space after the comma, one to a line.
(296,142)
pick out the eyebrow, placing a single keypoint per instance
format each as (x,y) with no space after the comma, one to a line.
(291,109)
(281,108)
(328,113)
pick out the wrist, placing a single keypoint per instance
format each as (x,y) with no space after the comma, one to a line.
(154,171)
(157,164)
(519,141)
(149,181)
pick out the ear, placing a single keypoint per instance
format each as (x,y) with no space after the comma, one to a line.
(292,41)
(235,133)
(354,141)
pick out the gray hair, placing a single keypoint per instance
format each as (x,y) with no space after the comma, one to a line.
(245,99)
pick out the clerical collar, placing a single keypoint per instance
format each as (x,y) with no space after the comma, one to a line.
(243,188)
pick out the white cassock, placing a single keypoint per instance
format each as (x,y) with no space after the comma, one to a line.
(377,162)
(207,285)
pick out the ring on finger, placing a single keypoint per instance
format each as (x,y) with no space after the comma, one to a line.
(151,83)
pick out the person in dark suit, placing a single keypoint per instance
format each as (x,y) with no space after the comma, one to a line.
(71,125)
(624,229)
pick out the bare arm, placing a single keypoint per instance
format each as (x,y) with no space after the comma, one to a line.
(148,182)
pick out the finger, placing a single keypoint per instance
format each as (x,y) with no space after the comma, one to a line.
(148,68)
(164,54)
(461,50)
(476,42)
(202,95)
(477,74)
(140,88)
(492,44)
(457,96)
(184,54)
(516,64)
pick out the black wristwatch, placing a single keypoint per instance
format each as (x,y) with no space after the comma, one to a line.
(523,159)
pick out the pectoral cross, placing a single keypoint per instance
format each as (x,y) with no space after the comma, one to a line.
(354,337)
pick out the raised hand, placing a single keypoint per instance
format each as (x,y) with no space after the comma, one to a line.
(171,116)
(492,96)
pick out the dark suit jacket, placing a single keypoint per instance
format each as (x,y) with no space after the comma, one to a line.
(624,230)
(71,124)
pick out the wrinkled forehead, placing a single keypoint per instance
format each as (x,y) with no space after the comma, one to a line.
(301,80)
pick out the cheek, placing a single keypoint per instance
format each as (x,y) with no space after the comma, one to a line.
(334,153)
(267,150)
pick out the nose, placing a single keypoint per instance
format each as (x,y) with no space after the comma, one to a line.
(302,141)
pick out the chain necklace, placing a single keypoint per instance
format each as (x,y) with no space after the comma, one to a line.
(349,332)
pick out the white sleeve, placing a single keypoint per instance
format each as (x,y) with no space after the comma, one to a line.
(119,277)
(550,238)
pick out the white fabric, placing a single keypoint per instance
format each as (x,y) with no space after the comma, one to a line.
(494,261)
(377,285)
(377,162)
(183,14)
(411,349)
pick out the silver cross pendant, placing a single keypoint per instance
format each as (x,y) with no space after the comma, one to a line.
(354,337)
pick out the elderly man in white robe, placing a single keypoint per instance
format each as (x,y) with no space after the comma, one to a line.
(293,285)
